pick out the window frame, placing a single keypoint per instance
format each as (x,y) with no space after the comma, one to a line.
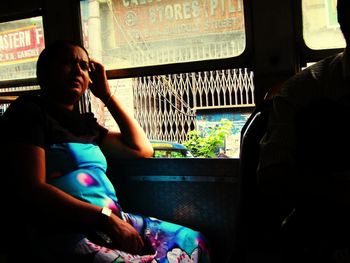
(25,81)
(243,60)
(307,54)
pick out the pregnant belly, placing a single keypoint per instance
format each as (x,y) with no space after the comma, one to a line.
(92,186)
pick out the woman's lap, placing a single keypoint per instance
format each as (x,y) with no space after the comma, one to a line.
(173,244)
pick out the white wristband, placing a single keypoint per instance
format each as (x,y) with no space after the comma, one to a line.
(106,212)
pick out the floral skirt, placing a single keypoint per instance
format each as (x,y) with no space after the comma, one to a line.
(167,242)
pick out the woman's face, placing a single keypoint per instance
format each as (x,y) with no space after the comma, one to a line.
(68,75)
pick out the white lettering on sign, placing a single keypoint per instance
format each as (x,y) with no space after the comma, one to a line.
(28,53)
(128,3)
(175,12)
(223,5)
(193,9)
(39,36)
(21,44)
(15,40)
(153,20)
(219,24)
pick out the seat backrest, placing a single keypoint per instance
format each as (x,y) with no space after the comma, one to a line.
(259,217)
(251,201)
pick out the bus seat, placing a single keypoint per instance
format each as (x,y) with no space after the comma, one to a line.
(259,217)
(199,193)
(319,225)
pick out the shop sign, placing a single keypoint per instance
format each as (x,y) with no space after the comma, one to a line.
(157,20)
(21,45)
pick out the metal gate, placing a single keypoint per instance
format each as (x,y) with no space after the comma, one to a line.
(166,105)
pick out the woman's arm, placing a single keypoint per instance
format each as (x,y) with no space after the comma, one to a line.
(46,204)
(132,140)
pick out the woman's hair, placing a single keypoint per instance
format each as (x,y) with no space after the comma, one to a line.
(49,54)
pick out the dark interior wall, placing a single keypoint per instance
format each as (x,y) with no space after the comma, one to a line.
(11,8)
(198,193)
(275,56)
(66,11)
(60,17)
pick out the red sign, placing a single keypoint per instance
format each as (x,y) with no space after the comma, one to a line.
(21,45)
(152,20)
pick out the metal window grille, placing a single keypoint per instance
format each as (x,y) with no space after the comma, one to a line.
(166,105)
(8,94)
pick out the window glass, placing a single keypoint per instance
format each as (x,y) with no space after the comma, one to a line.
(21,42)
(137,33)
(320,26)
(201,111)
(210,106)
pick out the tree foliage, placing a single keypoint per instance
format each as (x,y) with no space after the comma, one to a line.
(167,154)
(206,144)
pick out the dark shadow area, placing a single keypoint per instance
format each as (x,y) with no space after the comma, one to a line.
(197,193)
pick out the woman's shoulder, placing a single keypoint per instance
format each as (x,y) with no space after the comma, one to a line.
(28,101)
(25,106)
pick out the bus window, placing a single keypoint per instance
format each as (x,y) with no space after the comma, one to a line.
(128,34)
(139,34)
(21,42)
(320,26)
(169,106)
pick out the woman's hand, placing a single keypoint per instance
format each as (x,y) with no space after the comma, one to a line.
(99,86)
(124,235)
(130,141)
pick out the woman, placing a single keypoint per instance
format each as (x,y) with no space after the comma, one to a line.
(60,179)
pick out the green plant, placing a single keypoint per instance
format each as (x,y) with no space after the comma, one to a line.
(206,144)
(167,154)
